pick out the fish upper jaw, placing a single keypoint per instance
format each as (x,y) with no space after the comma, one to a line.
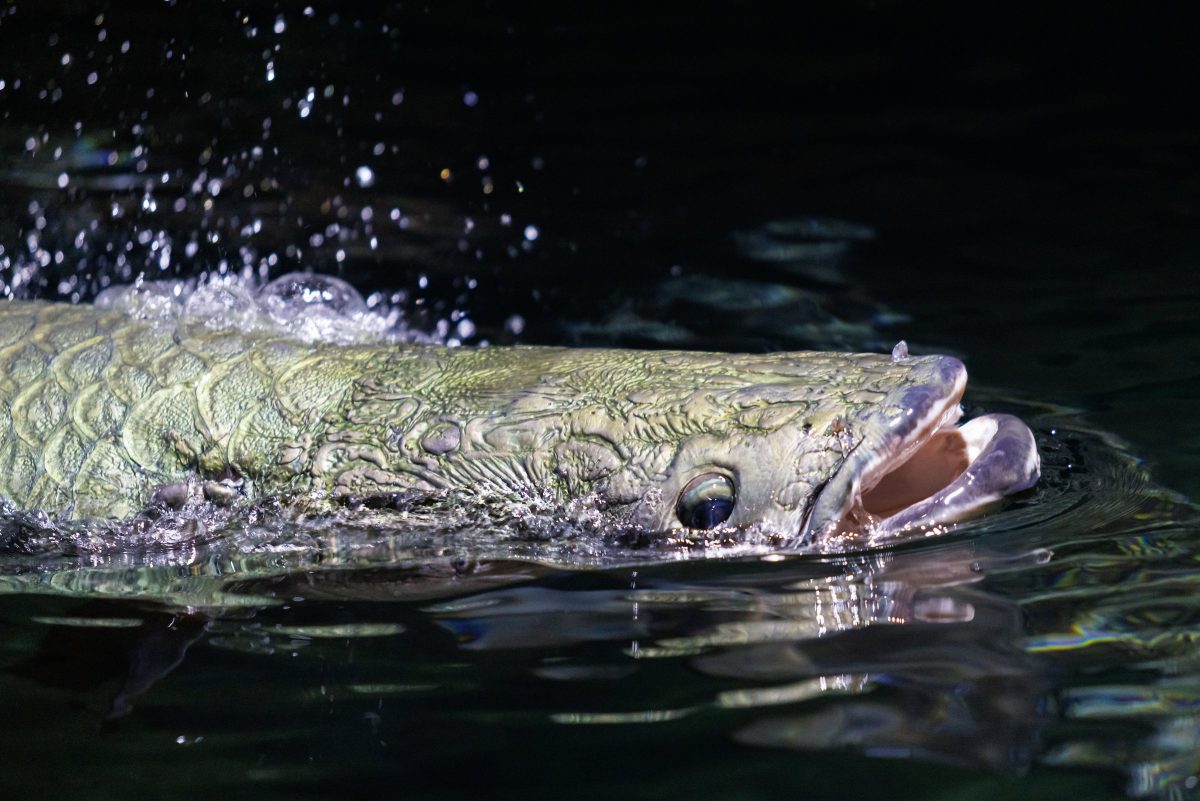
(918,471)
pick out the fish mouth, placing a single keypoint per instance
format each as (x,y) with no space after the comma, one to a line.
(917,472)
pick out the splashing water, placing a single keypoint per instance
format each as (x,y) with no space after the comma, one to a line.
(305,306)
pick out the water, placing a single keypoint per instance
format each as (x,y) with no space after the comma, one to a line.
(834,178)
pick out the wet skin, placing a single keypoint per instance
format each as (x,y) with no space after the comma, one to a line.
(102,414)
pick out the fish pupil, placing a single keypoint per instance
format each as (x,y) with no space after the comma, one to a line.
(712,512)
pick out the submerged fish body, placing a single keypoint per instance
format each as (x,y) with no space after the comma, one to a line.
(103,414)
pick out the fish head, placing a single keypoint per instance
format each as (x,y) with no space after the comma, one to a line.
(824,451)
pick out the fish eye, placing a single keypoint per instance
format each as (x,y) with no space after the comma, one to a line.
(707,501)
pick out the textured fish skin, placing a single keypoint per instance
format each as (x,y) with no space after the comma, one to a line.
(98,410)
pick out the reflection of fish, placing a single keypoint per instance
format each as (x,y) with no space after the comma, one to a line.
(102,413)
(86,651)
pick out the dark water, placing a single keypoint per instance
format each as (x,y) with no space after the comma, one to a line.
(1020,188)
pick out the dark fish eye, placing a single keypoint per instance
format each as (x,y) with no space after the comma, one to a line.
(706,501)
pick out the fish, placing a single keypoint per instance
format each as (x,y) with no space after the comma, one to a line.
(105,412)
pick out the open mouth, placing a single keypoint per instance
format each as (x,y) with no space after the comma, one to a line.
(921,470)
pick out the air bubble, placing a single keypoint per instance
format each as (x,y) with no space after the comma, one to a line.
(306,290)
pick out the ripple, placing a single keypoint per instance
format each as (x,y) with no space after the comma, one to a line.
(340,630)
(90,622)
(621,718)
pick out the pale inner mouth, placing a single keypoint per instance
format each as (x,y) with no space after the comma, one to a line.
(922,472)
(943,475)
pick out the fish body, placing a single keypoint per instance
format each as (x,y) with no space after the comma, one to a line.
(103,413)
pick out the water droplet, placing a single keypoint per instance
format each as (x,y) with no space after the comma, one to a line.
(364,176)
